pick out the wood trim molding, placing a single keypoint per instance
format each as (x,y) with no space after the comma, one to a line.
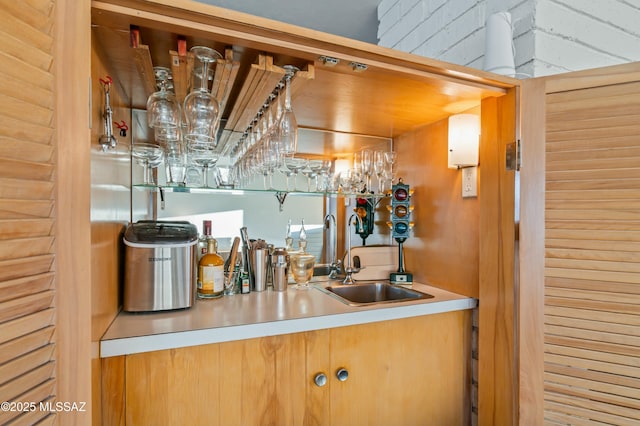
(497,362)
(531,254)
(72,194)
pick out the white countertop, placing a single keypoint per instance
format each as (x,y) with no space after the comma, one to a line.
(260,314)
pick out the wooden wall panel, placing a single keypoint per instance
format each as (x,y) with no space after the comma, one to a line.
(110,211)
(531,255)
(443,248)
(592,252)
(72,44)
(497,359)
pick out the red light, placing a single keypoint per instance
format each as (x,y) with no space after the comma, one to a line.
(401,194)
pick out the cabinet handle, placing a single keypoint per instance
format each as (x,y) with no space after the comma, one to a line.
(342,374)
(320,379)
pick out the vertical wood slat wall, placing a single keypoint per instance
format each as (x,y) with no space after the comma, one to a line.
(592,256)
(27,232)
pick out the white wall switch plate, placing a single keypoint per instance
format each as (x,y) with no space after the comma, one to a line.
(469,182)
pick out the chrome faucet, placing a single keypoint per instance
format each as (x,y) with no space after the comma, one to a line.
(349,270)
(335,265)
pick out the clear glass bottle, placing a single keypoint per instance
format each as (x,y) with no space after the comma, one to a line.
(202,241)
(302,238)
(288,239)
(211,272)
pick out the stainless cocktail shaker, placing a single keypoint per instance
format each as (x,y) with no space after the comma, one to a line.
(279,267)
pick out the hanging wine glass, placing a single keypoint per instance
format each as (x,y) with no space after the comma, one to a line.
(367,167)
(378,168)
(201,108)
(389,162)
(163,109)
(149,156)
(204,155)
(288,126)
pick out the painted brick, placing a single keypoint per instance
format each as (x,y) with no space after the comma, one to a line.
(576,27)
(550,36)
(384,6)
(433,5)
(468,51)
(406,6)
(405,25)
(541,68)
(391,18)
(569,55)
(613,12)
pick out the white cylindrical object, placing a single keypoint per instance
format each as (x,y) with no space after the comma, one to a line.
(499,49)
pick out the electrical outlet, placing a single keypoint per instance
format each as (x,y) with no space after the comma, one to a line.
(469,182)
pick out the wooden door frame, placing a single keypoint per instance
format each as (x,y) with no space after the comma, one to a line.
(72,67)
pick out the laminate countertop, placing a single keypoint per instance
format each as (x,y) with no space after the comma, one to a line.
(260,314)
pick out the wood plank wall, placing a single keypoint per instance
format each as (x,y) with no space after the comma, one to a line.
(443,248)
(110,206)
(592,256)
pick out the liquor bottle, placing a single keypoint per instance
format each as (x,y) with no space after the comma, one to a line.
(211,272)
(202,241)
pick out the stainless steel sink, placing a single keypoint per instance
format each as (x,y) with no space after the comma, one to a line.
(370,293)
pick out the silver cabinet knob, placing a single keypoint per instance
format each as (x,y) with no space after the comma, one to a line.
(342,374)
(320,379)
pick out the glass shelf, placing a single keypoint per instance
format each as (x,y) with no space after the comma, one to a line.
(244,191)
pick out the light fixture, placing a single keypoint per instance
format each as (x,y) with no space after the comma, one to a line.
(464,140)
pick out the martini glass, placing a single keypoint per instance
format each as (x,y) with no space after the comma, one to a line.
(149,156)
(295,164)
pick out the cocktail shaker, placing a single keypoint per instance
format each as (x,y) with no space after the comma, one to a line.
(260,257)
(279,268)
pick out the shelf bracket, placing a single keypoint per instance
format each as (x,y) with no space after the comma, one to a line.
(281,196)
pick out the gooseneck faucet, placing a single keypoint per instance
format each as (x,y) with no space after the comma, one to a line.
(335,264)
(349,270)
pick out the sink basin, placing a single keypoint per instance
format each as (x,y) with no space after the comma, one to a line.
(362,294)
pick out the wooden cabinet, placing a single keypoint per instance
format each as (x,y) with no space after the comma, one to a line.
(368,93)
(392,371)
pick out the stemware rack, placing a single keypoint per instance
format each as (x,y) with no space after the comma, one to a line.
(261,79)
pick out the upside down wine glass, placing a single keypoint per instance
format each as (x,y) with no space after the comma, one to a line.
(201,108)
(288,126)
(163,109)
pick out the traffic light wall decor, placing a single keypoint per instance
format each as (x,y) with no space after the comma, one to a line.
(400,225)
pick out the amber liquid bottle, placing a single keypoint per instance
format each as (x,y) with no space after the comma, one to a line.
(202,241)
(211,272)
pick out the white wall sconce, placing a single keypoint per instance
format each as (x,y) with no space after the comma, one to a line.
(464,141)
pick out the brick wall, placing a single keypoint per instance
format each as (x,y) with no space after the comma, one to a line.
(550,36)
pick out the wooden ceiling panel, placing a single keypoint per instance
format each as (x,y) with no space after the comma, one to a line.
(395,94)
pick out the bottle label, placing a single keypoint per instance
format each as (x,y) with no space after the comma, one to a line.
(212,279)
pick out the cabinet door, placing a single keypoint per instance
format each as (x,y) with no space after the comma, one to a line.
(265,381)
(262,381)
(175,386)
(403,372)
